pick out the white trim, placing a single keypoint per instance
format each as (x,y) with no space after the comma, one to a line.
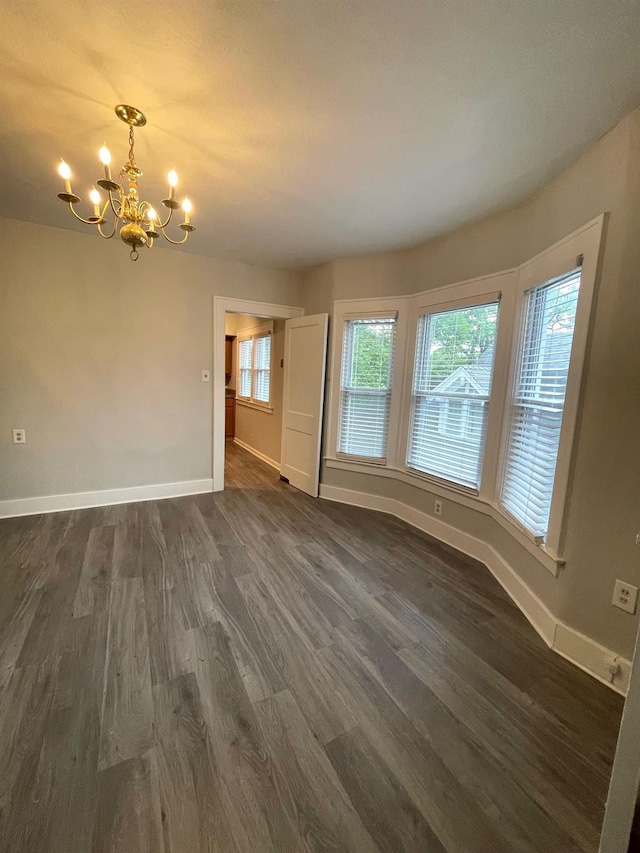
(104,497)
(582,651)
(257,453)
(222,304)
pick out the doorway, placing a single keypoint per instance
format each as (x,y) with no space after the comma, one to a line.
(260,312)
(254,377)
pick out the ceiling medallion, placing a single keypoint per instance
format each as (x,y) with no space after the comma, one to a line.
(140,223)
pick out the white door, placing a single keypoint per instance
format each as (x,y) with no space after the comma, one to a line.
(305,359)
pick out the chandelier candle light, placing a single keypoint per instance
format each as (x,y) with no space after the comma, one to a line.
(141,225)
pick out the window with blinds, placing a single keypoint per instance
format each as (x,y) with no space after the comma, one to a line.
(254,368)
(535,417)
(450,393)
(365,387)
(262,369)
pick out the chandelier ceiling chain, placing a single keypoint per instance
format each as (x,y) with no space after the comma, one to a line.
(140,221)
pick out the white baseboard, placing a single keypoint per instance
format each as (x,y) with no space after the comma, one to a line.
(257,453)
(582,651)
(105,497)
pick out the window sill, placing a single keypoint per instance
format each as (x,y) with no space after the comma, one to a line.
(268,410)
(462,496)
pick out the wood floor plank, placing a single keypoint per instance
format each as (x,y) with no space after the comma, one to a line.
(128,815)
(24,708)
(306,781)
(259,818)
(253,645)
(14,632)
(275,565)
(169,641)
(127,707)
(384,806)
(55,607)
(53,808)
(96,574)
(302,671)
(193,813)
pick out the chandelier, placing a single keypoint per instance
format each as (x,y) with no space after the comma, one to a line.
(140,223)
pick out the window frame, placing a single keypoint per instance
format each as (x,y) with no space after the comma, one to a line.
(553,263)
(264,330)
(365,309)
(462,297)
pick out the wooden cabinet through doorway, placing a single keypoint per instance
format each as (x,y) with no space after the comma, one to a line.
(229,417)
(228,358)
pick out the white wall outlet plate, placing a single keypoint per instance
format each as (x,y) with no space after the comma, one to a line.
(625,596)
(437,507)
(19,436)
(206,375)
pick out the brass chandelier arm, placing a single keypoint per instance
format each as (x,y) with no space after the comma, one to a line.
(164,224)
(113,230)
(117,212)
(175,242)
(84,221)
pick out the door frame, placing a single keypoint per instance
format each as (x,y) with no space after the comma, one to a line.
(221,305)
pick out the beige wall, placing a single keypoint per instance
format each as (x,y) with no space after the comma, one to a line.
(101,359)
(604,508)
(255,427)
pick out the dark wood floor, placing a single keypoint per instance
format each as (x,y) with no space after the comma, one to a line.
(258,671)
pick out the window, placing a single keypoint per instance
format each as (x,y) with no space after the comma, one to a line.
(365,387)
(254,367)
(450,394)
(537,405)
(262,369)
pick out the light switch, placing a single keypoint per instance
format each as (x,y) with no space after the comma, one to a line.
(206,375)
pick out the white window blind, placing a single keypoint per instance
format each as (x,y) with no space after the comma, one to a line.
(262,369)
(365,387)
(535,418)
(451,389)
(245,356)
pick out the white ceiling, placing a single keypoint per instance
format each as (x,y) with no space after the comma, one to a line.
(305,130)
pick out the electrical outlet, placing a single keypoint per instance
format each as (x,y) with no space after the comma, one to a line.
(19,436)
(206,375)
(437,507)
(625,596)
